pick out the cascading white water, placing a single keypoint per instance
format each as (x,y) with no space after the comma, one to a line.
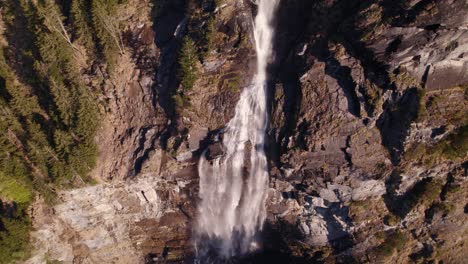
(233,187)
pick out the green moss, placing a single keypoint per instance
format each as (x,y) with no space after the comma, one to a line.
(372,95)
(373,18)
(314,254)
(433,101)
(465,91)
(423,194)
(404,79)
(52,261)
(380,168)
(455,145)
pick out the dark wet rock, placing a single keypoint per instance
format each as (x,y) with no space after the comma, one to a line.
(215,151)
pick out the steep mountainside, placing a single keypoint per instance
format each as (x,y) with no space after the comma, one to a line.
(107,106)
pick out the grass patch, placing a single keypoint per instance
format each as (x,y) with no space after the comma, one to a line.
(15,225)
(12,190)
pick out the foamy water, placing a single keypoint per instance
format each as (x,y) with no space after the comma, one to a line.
(233,187)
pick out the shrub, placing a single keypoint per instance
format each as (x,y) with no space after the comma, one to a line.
(452,147)
(394,241)
(391,219)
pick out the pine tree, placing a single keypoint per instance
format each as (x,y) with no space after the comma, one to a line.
(81,21)
(52,20)
(187,62)
(107,27)
(22,100)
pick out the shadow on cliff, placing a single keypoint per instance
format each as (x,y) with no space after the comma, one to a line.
(282,245)
(290,20)
(397,15)
(396,120)
(401,204)
(323,23)
(167,17)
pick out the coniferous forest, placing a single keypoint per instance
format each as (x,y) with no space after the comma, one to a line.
(49,116)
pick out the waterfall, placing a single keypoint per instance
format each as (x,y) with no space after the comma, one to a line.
(233,187)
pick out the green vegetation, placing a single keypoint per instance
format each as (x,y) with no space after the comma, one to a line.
(373,96)
(14,241)
(424,192)
(48,116)
(453,188)
(106,24)
(452,147)
(391,219)
(14,223)
(443,208)
(314,254)
(181,101)
(393,242)
(188,63)
(13,190)
(209,36)
(233,84)
(195,47)
(82,23)
(373,17)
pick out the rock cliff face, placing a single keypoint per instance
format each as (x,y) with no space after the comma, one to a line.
(115,223)
(367,140)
